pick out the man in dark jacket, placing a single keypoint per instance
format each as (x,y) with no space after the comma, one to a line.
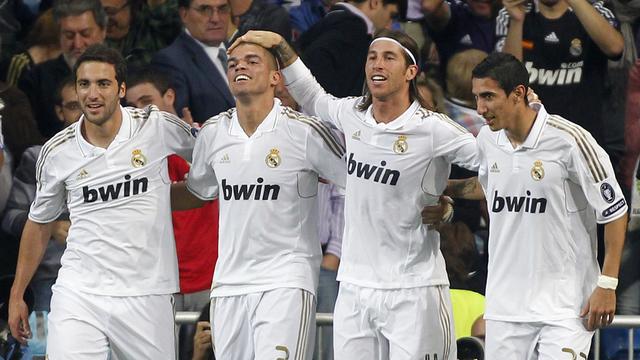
(335,49)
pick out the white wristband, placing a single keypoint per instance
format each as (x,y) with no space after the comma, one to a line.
(607,282)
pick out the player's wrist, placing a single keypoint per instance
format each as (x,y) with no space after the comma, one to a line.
(607,282)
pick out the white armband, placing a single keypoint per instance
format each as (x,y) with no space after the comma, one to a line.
(607,282)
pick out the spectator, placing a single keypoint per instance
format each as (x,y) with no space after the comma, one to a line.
(82,23)
(196,61)
(196,230)
(202,348)
(260,15)
(457,25)
(565,45)
(305,15)
(43,44)
(335,49)
(139,28)
(23,193)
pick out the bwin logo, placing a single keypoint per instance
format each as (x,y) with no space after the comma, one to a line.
(113,191)
(516,203)
(366,171)
(246,192)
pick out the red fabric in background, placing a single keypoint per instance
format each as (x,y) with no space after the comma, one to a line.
(196,234)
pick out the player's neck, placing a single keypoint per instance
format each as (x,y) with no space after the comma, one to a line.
(555,11)
(252,112)
(387,110)
(101,135)
(522,125)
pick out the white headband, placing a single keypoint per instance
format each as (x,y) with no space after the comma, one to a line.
(397,43)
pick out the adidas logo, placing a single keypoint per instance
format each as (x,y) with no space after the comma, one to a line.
(356,135)
(494,168)
(552,38)
(466,40)
(225,159)
(83,174)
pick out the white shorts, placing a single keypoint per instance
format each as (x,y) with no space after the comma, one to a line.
(397,324)
(547,340)
(86,326)
(275,324)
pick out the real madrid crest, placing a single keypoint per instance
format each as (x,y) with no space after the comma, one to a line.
(537,171)
(273,159)
(137,158)
(400,146)
(576,47)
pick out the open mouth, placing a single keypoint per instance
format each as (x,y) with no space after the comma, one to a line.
(378,78)
(241,77)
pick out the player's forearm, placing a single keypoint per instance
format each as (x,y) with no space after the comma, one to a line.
(182,198)
(608,39)
(33,244)
(614,234)
(286,54)
(513,42)
(469,189)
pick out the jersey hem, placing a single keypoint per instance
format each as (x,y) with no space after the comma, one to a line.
(392,285)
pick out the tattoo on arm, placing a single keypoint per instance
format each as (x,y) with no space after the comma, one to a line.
(466,188)
(285,53)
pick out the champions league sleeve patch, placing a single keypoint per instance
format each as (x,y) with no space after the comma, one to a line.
(607,192)
(613,208)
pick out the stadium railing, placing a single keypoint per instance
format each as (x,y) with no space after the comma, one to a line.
(326,319)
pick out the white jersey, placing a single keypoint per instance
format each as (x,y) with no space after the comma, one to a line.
(544,199)
(267,186)
(394,170)
(121,239)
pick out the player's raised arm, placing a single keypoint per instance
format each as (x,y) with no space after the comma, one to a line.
(33,243)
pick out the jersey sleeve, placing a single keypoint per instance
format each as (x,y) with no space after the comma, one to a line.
(202,181)
(326,152)
(502,27)
(455,143)
(590,167)
(310,95)
(49,201)
(179,136)
(607,14)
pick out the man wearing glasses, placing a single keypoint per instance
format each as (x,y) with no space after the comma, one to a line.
(196,61)
(139,29)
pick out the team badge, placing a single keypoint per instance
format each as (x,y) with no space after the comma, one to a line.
(576,47)
(537,171)
(273,159)
(607,192)
(137,158)
(400,146)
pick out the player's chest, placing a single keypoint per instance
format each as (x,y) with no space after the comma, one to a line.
(524,169)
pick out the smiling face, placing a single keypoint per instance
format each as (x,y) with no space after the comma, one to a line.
(98,91)
(493,104)
(252,70)
(387,71)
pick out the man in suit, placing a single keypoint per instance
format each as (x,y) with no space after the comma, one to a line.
(196,61)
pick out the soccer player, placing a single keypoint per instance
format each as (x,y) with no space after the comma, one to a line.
(547,183)
(262,160)
(394,298)
(112,298)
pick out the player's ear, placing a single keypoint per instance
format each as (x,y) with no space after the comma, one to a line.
(519,93)
(276,77)
(122,90)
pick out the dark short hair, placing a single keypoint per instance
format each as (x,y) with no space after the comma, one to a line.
(411,45)
(66,8)
(384,2)
(148,75)
(505,69)
(102,53)
(67,81)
